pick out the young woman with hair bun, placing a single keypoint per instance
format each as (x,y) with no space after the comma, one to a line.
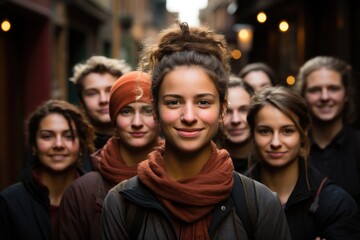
(184,189)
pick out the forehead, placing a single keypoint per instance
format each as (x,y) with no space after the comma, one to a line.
(238,95)
(272,117)
(54,122)
(322,77)
(98,80)
(188,80)
(257,76)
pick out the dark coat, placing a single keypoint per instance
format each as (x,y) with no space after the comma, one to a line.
(80,210)
(336,216)
(157,224)
(25,211)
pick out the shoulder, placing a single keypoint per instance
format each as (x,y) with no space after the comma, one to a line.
(84,186)
(333,197)
(13,191)
(89,178)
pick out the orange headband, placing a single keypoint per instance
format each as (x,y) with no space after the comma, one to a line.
(131,87)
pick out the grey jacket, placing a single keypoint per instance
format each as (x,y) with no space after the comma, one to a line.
(156,221)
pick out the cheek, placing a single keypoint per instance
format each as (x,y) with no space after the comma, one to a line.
(74,146)
(42,146)
(260,142)
(122,122)
(166,117)
(150,122)
(90,102)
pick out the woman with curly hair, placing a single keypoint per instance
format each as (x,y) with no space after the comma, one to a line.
(60,138)
(184,189)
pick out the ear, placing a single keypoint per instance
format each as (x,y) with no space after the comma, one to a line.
(33,150)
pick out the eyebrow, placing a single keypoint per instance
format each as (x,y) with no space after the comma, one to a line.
(197,95)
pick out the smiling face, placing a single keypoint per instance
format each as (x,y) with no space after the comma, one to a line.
(96,95)
(325,95)
(136,126)
(56,147)
(235,122)
(277,140)
(189,108)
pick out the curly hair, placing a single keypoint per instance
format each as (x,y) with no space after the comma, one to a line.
(97,64)
(72,115)
(181,45)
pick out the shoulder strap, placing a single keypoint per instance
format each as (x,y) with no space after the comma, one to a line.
(134,219)
(315,204)
(134,214)
(245,201)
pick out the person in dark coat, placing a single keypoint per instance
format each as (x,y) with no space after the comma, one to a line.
(327,86)
(60,137)
(315,207)
(137,134)
(186,184)
(237,131)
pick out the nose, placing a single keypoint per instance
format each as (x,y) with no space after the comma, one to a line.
(104,97)
(58,142)
(276,141)
(189,114)
(137,120)
(324,94)
(235,118)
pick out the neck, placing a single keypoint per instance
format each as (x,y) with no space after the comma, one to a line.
(324,132)
(133,156)
(282,181)
(103,129)
(57,184)
(180,165)
(238,150)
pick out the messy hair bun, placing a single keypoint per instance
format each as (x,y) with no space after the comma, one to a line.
(180,37)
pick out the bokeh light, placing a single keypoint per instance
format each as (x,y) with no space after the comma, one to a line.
(261,17)
(5,25)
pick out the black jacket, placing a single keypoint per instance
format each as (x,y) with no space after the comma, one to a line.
(25,211)
(336,216)
(156,222)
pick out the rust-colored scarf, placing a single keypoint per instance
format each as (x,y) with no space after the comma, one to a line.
(110,163)
(190,201)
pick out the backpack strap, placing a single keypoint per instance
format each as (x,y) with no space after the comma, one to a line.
(315,204)
(245,202)
(133,213)
(134,219)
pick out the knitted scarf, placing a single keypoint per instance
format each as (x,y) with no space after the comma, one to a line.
(110,163)
(190,201)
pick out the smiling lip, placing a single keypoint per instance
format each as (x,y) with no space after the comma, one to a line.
(104,110)
(58,157)
(188,132)
(236,131)
(137,134)
(276,155)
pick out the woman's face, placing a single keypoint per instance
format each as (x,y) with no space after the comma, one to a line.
(235,123)
(277,140)
(136,126)
(56,147)
(189,108)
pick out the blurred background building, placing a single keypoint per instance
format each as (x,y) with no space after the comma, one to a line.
(45,38)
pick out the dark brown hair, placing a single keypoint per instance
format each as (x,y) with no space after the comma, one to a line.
(72,115)
(181,45)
